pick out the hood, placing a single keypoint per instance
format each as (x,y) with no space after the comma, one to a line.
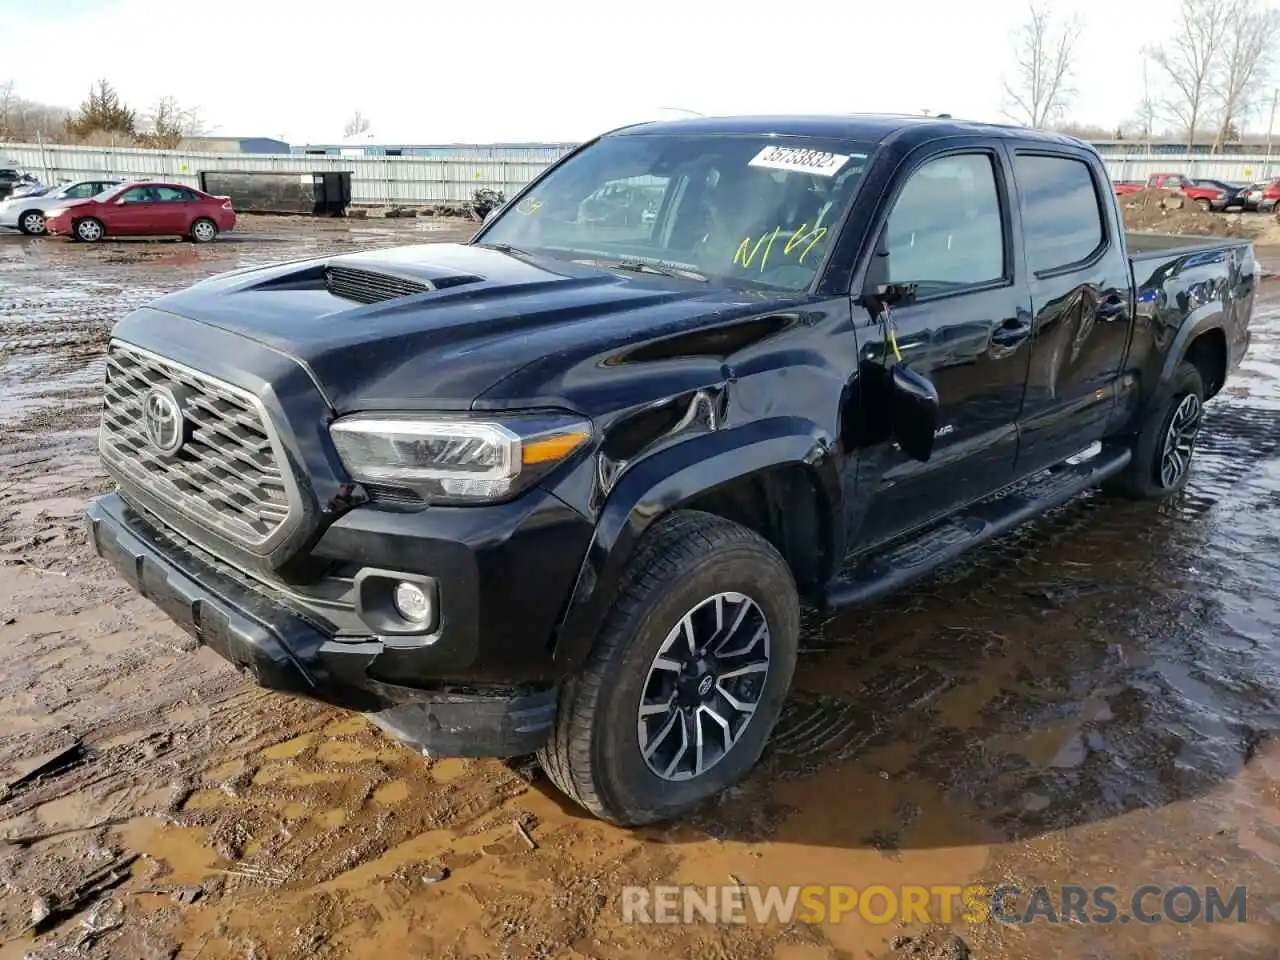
(436,326)
(62,203)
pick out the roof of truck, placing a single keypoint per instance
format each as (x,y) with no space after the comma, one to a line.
(863,127)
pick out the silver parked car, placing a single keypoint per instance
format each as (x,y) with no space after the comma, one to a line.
(28,213)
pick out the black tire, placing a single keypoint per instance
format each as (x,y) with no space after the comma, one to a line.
(88,230)
(1204,205)
(203,230)
(1143,479)
(594,754)
(31,222)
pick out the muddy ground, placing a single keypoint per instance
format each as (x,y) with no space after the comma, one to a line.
(1091,701)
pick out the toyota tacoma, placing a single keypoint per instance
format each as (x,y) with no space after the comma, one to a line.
(562,489)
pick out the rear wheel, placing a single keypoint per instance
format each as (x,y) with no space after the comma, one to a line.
(687,678)
(1204,205)
(203,231)
(31,222)
(1163,449)
(89,230)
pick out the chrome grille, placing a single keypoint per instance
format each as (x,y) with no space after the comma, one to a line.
(365,286)
(226,475)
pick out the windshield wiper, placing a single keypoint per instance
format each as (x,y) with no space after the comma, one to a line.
(503,248)
(639,266)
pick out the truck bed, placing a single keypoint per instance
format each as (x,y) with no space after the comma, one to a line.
(1144,246)
(1184,286)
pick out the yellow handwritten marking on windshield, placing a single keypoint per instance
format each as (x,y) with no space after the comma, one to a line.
(802,236)
(529,208)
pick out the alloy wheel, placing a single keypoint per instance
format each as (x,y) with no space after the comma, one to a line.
(1180,441)
(703,686)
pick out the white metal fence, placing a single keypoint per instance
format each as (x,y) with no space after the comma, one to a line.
(421,180)
(374,180)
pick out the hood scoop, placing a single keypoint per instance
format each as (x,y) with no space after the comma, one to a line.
(371,286)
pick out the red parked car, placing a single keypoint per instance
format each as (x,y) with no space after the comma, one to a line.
(1206,198)
(144,209)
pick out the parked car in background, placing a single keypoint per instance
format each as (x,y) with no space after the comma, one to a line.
(146,209)
(12,176)
(1206,198)
(1262,196)
(28,213)
(1234,191)
(30,186)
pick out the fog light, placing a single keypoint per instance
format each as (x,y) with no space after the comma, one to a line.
(412,602)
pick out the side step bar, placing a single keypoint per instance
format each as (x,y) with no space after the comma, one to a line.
(871,577)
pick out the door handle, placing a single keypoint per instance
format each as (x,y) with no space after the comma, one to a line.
(1112,307)
(1011,333)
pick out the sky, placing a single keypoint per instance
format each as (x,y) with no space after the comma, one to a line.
(439,71)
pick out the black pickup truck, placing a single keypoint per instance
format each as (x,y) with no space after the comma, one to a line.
(563,489)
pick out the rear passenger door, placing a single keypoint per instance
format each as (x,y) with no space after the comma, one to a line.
(177,209)
(950,230)
(1079,283)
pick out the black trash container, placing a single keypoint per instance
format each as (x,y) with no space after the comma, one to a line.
(322,194)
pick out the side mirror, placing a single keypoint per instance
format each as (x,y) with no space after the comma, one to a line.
(913,411)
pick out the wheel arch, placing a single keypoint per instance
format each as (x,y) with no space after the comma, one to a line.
(777,478)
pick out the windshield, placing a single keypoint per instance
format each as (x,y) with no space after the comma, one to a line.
(108,193)
(748,208)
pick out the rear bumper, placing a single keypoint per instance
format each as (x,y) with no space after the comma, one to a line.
(283,650)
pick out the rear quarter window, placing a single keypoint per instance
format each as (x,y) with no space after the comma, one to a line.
(1061,213)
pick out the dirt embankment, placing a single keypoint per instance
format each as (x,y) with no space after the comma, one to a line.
(1168,211)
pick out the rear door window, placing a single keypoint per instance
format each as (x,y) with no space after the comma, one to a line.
(1061,212)
(173,195)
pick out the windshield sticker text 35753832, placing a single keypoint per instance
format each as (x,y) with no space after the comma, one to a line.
(798,160)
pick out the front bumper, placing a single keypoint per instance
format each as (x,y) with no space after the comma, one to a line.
(284,650)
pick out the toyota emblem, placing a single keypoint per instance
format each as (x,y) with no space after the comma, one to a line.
(162,420)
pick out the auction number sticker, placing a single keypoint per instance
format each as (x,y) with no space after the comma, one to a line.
(794,158)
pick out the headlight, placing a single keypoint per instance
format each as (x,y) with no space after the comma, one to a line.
(458,460)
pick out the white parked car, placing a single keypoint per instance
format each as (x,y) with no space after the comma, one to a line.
(28,214)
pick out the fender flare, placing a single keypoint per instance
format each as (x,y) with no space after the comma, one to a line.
(662,482)
(1190,330)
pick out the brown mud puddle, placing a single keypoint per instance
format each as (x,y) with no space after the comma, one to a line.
(1093,700)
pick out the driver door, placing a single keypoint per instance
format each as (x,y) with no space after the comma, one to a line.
(950,231)
(134,211)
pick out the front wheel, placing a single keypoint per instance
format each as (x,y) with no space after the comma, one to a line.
(89,230)
(1204,205)
(1163,448)
(31,222)
(203,231)
(687,678)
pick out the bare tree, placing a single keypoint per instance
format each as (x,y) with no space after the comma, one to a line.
(1248,35)
(1188,62)
(1144,115)
(8,109)
(1040,86)
(167,123)
(356,125)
